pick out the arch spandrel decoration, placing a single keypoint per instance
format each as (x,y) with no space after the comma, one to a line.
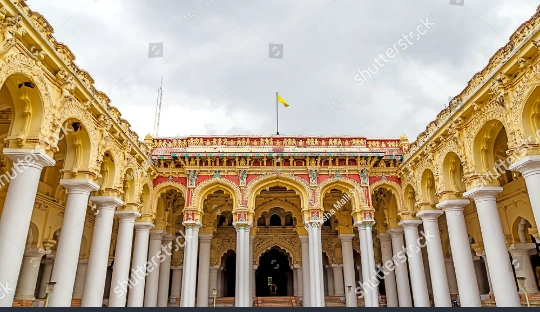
(527,84)
(290,244)
(449,146)
(359,199)
(198,195)
(300,185)
(221,245)
(23,65)
(329,247)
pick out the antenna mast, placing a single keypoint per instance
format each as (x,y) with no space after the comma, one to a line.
(158,109)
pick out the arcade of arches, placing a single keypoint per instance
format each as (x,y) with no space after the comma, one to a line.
(92,216)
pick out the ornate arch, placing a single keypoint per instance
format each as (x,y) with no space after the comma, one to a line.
(395,188)
(299,185)
(288,207)
(291,246)
(160,188)
(527,85)
(221,246)
(200,192)
(23,65)
(353,188)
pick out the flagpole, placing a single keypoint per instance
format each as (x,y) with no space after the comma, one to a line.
(277,115)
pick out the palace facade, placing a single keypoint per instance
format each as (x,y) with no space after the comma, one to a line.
(93,216)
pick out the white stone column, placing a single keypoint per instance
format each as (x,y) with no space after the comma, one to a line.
(45,275)
(348,269)
(451,273)
(69,243)
(416,264)
(220,282)
(204,270)
(304,242)
(372,271)
(165,270)
(295,282)
(152,278)
(388,264)
(402,273)
(315,265)
(253,279)
(80,277)
(330,277)
(529,167)
(17,214)
(243,268)
(367,287)
(122,258)
(469,296)
(437,267)
(176,281)
(337,280)
(212,281)
(500,269)
(94,284)
(29,273)
(252,273)
(190,263)
(138,264)
(482,255)
(522,266)
(300,279)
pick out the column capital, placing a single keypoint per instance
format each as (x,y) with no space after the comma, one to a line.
(346,238)
(304,239)
(429,215)
(156,235)
(483,192)
(242,225)
(205,238)
(127,215)
(297,266)
(141,226)
(167,238)
(82,262)
(410,224)
(106,201)
(396,232)
(522,249)
(528,165)
(36,252)
(385,237)
(213,268)
(80,186)
(334,266)
(29,157)
(193,225)
(453,204)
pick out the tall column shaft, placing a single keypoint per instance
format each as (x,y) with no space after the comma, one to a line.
(165,270)
(80,277)
(416,264)
(330,277)
(45,276)
(402,273)
(138,264)
(367,287)
(17,214)
(469,295)
(252,274)
(240,267)
(316,268)
(69,243)
(190,264)
(372,271)
(348,269)
(204,270)
(300,281)
(500,269)
(437,267)
(304,241)
(451,273)
(94,285)
(388,264)
(29,273)
(152,278)
(122,258)
(338,284)
(213,281)
(523,268)
(529,167)
(176,281)
(248,300)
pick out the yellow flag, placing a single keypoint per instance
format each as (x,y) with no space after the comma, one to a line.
(282,101)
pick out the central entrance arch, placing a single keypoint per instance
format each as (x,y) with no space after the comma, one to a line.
(274,269)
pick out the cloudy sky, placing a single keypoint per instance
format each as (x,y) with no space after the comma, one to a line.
(219,77)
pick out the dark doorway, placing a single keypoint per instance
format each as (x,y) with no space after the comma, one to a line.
(272,264)
(229,276)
